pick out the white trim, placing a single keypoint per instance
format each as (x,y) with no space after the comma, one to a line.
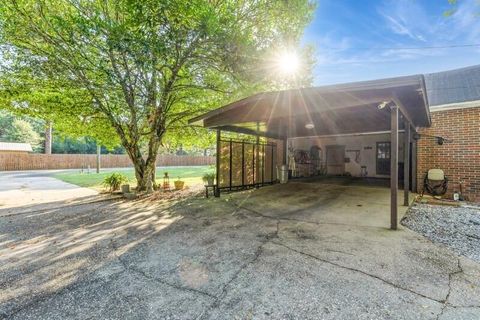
(453,106)
(345,135)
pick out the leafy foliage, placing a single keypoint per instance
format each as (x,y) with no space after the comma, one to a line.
(22,129)
(114,181)
(83,145)
(141,68)
(209,176)
(70,110)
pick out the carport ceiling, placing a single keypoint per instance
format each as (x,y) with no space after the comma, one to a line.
(336,109)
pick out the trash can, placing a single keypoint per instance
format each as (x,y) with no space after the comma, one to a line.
(283,174)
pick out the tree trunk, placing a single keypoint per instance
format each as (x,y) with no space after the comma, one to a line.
(48,137)
(99,152)
(148,175)
(144,169)
(133,152)
(154,175)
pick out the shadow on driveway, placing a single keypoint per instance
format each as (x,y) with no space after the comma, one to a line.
(226,258)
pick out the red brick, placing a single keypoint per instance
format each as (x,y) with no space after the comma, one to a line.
(460,159)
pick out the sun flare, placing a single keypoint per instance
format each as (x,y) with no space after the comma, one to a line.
(288,63)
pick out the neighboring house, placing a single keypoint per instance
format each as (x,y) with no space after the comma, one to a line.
(15,147)
(353,129)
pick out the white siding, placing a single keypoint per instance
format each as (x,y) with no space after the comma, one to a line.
(367,144)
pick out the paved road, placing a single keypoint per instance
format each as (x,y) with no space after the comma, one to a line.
(20,190)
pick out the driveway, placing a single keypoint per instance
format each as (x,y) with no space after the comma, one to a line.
(281,252)
(20,190)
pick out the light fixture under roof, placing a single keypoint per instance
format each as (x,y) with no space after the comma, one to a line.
(310,126)
(383,104)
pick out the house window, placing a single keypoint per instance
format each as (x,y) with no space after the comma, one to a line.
(383,158)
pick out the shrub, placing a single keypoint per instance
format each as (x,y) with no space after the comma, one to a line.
(114,181)
(209,177)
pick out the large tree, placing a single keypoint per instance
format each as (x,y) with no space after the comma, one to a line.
(145,65)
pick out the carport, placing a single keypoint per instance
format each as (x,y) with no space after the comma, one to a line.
(386,105)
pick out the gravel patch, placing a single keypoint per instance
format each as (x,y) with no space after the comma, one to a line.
(456,227)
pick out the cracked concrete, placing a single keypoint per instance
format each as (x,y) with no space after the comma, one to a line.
(447,298)
(284,285)
(251,255)
(224,292)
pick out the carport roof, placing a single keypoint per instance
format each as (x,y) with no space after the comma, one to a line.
(333,109)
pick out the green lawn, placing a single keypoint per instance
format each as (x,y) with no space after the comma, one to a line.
(191,176)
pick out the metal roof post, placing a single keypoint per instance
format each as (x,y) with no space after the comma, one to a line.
(406,164)
(257,163)
(217,189)
(393,166)
(414,164)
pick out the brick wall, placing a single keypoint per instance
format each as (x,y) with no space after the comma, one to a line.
(459,159)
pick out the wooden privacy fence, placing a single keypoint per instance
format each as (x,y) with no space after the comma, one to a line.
(17,161)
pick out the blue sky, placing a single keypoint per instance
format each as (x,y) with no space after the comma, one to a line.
(362,39)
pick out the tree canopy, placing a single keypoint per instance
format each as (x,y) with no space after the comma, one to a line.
(141,68)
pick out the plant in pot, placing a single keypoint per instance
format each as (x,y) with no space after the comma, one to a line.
(114,181)
(179,184)
(209,178)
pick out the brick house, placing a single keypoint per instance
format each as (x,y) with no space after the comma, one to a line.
(378,130)
(454,99)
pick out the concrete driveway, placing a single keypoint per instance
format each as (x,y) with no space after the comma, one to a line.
(329,200)
(281,252)
(20,190)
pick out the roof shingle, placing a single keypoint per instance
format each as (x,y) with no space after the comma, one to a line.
(454,86)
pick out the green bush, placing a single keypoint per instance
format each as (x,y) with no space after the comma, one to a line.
(209,177)
(114,181)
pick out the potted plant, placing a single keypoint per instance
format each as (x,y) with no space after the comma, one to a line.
(209,178)
(179,184)
(125,188)
(114,181)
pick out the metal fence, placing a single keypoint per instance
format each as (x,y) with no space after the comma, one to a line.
(19,161)
(246,164)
